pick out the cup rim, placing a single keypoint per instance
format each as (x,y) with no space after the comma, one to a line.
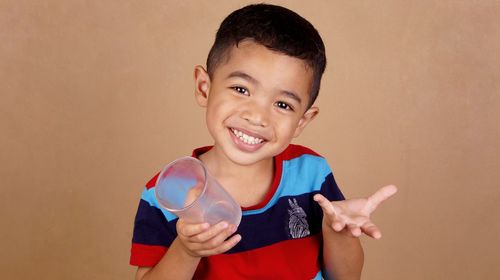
(197,161)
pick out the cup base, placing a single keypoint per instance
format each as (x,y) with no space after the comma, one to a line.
(223,211)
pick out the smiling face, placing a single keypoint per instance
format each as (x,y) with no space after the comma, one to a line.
(257,102)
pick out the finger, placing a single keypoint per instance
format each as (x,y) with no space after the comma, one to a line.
(218,239)
(224,247)
(325,204)
(338,225)
(354,229)
(371,230)
(189,230)
(210,233)
(381,195)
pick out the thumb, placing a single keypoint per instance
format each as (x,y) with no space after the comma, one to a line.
(381,195)
(325,204)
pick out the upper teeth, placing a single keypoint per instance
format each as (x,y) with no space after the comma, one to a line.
(247,138)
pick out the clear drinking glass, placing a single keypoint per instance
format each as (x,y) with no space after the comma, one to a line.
(186,189)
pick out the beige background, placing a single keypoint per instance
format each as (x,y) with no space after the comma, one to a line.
(96,96)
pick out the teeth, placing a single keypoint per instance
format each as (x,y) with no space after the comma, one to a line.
(247,138)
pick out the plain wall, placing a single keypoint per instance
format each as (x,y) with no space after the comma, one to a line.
(96,96)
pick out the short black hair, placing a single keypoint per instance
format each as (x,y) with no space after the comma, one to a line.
(277,28)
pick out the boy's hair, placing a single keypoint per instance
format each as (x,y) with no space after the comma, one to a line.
(277,28)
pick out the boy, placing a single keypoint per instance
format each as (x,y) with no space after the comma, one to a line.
(263,75)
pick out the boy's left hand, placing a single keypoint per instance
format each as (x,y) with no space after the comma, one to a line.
(354,214)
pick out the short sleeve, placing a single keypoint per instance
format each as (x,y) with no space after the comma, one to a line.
(154,231)
(330,189)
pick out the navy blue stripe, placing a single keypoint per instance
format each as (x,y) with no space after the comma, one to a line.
(151,226)
(330,190)
(271,226)
(258,230)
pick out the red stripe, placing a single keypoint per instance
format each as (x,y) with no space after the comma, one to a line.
(291,259)
(294,151)
(199,151)
(152,182)
(146,255)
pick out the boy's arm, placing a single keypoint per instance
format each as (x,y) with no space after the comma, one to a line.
(193,242)
(343,222)
(342,254)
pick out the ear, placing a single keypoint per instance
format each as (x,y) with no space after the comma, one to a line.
(308,116)
(202,85)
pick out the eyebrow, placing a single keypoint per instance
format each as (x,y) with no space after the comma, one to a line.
(245,76)
(293,96)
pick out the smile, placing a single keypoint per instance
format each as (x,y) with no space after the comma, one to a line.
(247,139)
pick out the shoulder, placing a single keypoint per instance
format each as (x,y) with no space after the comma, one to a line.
(301,159)
(305,171)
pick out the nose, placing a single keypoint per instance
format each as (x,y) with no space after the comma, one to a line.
(255,114)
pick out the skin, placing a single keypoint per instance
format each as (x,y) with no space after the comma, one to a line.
(264,94)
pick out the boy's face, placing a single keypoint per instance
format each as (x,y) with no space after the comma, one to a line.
(257,101)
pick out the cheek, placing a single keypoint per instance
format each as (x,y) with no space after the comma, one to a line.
(287,128)
(217,113)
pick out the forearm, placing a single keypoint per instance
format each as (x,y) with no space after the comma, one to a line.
(175,264)
(342,254)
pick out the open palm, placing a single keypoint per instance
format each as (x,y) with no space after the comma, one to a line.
(354,214)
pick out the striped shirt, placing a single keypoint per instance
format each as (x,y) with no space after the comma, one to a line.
(281,237)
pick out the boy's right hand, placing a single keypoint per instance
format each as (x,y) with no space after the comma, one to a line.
(203,240)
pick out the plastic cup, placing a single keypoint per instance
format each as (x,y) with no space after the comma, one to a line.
(186,189)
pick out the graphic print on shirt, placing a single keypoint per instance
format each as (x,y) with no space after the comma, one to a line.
(297,223)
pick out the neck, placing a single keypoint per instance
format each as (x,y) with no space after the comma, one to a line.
(247,184)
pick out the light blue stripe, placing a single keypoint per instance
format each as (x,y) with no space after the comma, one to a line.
(300,175)
(318,276)
(148,195)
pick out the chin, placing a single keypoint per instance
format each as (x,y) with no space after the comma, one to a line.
(244,158)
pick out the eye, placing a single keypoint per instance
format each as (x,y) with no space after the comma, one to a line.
(283,105)
(240,90)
